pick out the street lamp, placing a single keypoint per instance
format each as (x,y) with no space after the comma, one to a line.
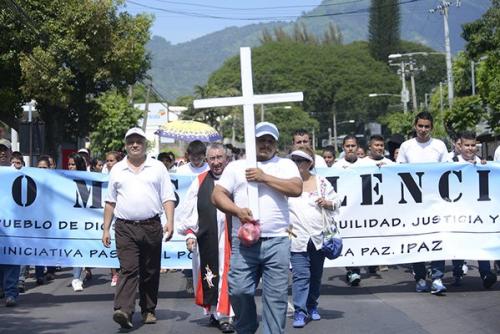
(335,128)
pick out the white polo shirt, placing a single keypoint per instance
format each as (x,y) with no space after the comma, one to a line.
(139,196)
(413,151)
(343,163)
(190,169)
(497,154)
(274,215)
(367,161)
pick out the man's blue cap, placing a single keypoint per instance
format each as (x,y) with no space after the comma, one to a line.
(266,128)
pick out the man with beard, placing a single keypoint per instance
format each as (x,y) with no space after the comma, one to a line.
(207,232)
(425,149)
(268,257)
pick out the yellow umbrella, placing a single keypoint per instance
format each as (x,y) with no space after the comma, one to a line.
(188,131)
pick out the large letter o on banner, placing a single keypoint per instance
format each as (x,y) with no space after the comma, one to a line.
(17,191)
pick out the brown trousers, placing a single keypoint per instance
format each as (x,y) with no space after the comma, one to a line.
(139,251)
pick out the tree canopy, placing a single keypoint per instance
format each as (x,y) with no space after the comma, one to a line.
(65,54)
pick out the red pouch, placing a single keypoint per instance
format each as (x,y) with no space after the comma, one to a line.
(249,232)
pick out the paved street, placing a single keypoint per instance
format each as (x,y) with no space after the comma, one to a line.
(382,304)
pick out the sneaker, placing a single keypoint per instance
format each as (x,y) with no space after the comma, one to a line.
(39,281)
(50,277)
(10,301)
(149,318)
(353,279)
(290,309)
(437,287)
(77,284)
(114,280)
(88,275)
(122,319)
(189,285)
(226,327)
(465,268)
(383,268)
(457,280)
(299,320)
(21,287)
(313,313)
(488,280)
(421,286)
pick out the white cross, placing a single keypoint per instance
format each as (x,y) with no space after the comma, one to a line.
(248,100)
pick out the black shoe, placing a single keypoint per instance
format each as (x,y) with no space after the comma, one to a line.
(39,281)
(488,280)
(212,322)
(50,277)
(226,327)
(122,319)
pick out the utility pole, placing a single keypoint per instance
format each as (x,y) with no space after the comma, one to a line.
(335,127)
(442,8)
(413,89)
(404,90)
(473,77)
(146,108)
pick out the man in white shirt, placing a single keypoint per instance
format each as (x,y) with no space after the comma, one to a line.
(350,158)
(467,152)
(196,155)
(425,149)
(139,190)
(268,257)
(301,137)
(376,152)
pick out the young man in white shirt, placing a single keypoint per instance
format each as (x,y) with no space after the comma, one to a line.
(269,257)
(425,149)
(497,154)
(196,152)
(301,137)
(467,152)
(376,152)
(350,158)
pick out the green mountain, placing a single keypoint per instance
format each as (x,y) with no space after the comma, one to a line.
(177,69)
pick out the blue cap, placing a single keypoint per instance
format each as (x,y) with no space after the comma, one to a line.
(266,128)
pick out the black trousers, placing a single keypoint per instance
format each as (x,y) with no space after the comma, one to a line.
(139,251)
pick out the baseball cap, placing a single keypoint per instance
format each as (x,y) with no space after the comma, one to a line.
(266,128)
(84,150)
(135,131)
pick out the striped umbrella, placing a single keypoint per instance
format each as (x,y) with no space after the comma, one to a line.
(188,131)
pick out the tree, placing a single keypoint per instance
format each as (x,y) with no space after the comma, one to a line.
(384,28)
(117,117)
(77,51)
(483,40)
(339,76)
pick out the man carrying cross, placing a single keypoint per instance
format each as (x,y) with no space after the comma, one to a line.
(269,257)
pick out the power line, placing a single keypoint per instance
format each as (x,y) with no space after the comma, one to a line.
(259,8)
(284,17)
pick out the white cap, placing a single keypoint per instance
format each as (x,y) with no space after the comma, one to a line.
(135,131)
(83,150)
(266,128)
(302,154)
(6,143)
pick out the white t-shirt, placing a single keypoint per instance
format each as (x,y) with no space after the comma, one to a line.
(497,154)
(319,162)
(190,169)
(367,161)
(273,205)
(139,196)
(461,159)
(412,151)
(343,163)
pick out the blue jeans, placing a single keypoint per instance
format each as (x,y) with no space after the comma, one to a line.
(269,258)
(307,269)
(436,266)
(9,276)
(484,267)
(77,272)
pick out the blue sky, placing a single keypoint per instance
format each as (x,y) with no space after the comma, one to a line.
(183,20)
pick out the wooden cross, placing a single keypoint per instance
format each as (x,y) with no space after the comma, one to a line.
(248,100)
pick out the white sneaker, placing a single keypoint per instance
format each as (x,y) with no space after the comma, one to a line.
(77,284)
(465,268)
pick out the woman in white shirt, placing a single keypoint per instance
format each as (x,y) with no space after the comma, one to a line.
(307,258)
